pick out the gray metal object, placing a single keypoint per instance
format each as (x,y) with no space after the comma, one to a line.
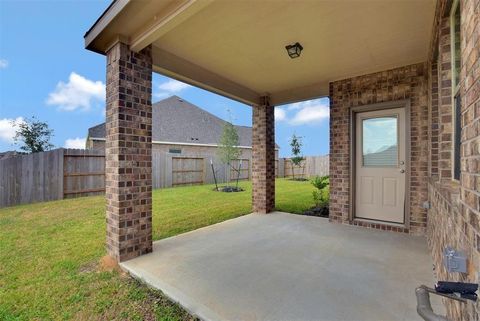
(424,308)
(454,261)
(426,205)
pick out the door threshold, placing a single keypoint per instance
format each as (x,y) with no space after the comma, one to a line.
(380,225)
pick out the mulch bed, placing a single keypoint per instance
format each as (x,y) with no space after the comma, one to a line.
(317,211)
(299,179)
(229,189)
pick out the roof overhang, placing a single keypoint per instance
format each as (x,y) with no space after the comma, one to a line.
(237,48)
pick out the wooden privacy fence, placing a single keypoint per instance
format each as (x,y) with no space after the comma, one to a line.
(309,167)
(31,178)
(243,169)
(83,172)
(171,170)
(188,171)
(290,169)
(66,173)
(51,175)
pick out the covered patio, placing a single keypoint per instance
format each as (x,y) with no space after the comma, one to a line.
(289,267)
(398,64)
(238,49)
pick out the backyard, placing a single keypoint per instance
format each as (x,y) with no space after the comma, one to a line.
(50,252)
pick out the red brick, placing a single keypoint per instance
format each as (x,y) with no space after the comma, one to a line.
(128,152)
(263,158)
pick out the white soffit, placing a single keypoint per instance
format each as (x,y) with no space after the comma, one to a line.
(237,48)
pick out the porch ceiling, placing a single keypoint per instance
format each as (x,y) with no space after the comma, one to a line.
(237,48)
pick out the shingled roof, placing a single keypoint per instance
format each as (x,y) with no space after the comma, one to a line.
(176,120)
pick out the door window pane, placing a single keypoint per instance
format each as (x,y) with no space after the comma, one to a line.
(380,141)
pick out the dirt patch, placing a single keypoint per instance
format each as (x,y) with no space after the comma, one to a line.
(89,267)
(109,264)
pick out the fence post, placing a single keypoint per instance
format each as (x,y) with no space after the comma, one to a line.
(168,171)
(61,163)
(281,167)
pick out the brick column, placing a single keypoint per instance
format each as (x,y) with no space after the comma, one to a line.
(263,158)
(129,152)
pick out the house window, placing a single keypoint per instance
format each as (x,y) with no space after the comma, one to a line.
(175,151)
(456,67)
(457,138)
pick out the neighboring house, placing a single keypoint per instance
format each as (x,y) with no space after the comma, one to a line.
(180,127)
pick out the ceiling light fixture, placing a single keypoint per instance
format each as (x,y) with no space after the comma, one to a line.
(294,50)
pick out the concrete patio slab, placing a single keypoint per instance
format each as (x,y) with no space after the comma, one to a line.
(289,267)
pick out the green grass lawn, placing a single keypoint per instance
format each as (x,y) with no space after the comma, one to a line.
(49,252)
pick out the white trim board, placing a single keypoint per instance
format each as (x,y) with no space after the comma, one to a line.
(178,143)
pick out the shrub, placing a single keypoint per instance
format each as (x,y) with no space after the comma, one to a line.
(321,196)
(321,182)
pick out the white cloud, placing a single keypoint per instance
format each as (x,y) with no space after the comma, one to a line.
(309,112)
(161,95)
(7,128)
(78,143)
(280,114)
(305,112)
(173,86)
(3,63)
(78,93)
(296,106)
(170,88)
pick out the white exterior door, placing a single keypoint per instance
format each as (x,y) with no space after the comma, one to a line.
(380,165)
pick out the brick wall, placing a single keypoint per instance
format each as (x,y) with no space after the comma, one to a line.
(263,158)
(454,218)
(409,82)
(128,172)
(447,227)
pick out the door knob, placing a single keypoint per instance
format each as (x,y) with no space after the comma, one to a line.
(402,171)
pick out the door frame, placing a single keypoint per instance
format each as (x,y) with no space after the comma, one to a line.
(404,103)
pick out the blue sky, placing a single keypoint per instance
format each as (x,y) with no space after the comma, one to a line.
(46,72)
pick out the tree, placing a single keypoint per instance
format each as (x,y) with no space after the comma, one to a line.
(296,159)
(34,135)
(228,150)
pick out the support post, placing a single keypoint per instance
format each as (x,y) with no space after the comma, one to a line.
(263,157)
(128,152)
